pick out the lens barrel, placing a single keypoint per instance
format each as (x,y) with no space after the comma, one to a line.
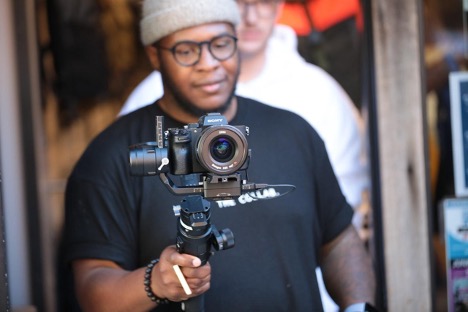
(147,159)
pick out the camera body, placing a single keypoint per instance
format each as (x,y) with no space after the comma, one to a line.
(211,145)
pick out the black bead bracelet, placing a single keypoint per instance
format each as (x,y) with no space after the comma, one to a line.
(147,283)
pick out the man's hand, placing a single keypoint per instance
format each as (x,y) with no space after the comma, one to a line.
(102,285)
(166,284)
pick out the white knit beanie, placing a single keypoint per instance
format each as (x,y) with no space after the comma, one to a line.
(164,17)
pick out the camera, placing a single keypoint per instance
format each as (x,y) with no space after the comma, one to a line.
(209,146)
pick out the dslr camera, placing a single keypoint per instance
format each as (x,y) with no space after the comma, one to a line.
(209,146)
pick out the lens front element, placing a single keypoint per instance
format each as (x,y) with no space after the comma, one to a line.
(222,149)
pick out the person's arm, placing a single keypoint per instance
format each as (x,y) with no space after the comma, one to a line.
(347,269)
(102,285)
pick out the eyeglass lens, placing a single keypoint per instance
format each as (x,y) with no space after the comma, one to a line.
(188,53)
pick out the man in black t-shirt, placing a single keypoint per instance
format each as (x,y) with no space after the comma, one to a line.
(117,225)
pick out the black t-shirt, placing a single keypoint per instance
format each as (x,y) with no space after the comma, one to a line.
(130,220)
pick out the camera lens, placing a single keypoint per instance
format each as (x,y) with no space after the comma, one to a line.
(222,149)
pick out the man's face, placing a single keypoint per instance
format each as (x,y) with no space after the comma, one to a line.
(258,18)
(206,86)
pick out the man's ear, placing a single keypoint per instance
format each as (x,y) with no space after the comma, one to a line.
(153,56)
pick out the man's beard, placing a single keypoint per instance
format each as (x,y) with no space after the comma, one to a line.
(188,106)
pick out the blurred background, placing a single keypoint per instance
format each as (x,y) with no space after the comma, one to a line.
(81,59)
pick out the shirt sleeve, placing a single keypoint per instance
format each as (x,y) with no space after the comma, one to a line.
(333,209)
(100,217)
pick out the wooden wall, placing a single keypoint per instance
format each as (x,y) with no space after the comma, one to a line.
(397,37)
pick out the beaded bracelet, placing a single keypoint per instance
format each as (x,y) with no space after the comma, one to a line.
(147,283)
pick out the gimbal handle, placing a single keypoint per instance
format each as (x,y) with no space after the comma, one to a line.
(196,236)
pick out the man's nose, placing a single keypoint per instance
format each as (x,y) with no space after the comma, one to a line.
(206,57)
(250,12)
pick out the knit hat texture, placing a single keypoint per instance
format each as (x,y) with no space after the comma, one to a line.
(161,18)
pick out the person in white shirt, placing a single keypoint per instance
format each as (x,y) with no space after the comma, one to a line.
(273,72)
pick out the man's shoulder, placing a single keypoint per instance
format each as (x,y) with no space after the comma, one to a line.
(108,151)
(303,68)
(263,113)
(257,106)
(128,129)
(147,91)
(245,100)
(297,75)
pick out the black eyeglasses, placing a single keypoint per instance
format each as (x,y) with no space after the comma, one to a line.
(188,53)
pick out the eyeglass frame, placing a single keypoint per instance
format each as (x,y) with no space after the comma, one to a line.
(200,48)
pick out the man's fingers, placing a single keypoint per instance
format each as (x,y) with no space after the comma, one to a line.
(197,282)
(182,275)
(171,255)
